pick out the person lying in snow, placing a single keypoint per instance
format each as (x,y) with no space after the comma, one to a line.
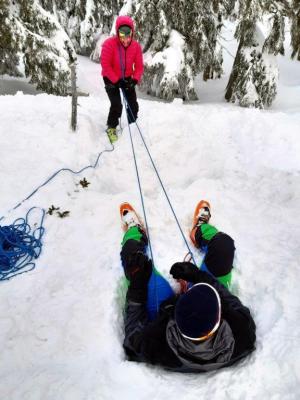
(122,67)
(203,329)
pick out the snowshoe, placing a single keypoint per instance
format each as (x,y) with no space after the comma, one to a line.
(129,217)
(201,216)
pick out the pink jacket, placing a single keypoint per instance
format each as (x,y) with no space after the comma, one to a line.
(115,58)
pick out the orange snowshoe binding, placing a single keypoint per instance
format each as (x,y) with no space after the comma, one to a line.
(129,217)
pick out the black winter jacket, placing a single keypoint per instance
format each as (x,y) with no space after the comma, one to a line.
(146,341)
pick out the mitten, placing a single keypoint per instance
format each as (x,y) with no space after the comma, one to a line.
(185,270)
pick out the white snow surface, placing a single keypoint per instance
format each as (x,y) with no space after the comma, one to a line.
(61,324)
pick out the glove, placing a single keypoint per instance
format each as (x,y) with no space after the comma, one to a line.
(138,272)
(185,270)
(121,83)
(127,83)
(131,83)
(110,86)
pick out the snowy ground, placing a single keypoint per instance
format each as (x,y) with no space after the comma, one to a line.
(61,326)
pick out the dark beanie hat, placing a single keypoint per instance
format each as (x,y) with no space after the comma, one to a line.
(198,311)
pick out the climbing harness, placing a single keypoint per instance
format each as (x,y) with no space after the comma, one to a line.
(19,246)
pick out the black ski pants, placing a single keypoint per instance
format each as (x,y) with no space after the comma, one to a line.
(219,252)
(115,111)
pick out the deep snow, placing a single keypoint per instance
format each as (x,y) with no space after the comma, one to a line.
(61,325)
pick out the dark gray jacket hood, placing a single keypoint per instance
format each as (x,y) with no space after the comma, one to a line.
(213,353)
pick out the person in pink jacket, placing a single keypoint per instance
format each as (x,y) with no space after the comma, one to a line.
(122,68)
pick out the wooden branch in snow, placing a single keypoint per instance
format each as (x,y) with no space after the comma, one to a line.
(74,98)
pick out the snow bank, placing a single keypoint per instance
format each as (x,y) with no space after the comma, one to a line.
(61,325)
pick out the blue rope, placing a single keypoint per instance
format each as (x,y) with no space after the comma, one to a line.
(139,181)
(134,158)
(160,181)
(58,172)
(144,209)
(141,193)
(19,245)
(135,161)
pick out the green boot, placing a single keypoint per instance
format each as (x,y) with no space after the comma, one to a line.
(112,134)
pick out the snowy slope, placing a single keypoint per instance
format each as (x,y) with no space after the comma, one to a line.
(61,325)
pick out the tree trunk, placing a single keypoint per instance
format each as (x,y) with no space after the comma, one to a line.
(234,73)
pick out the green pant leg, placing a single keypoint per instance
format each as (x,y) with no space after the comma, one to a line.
(135,234)
(208,231)
(225,280)
(132,233)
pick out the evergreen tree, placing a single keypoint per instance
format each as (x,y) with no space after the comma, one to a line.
(180,41)
(295,29)
(35,45)
(47,49)
(82,19)
(253,80)
(274,44)
(223,9)
(10,41)
(40,38)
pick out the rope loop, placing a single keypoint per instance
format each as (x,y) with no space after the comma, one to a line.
(19,246)
(188,257)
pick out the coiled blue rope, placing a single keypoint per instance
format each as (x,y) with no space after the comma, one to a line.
(19,246)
